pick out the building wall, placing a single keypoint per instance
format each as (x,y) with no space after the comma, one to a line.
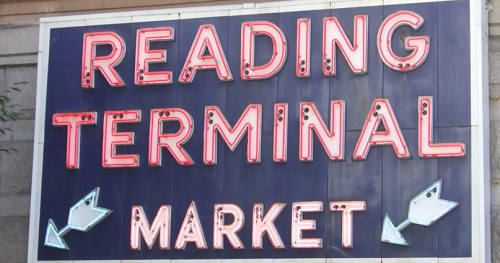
(18,66)
(494,79)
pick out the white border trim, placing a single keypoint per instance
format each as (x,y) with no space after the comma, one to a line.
(285,260)
(481,247)
(480,225)
(36,184)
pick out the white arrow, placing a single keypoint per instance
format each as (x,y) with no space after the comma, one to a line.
(425,209)
(84,215)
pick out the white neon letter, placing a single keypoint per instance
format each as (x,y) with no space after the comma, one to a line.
(215,121)
(299,224)
(381,113)
(280,135)
(426,148)
(230,231)
(191,230)
(249,30)
(172,141)
(106,64)
(73,121)
(347,208)
(112,138)
(418,45)
(263,224)
(332,140)
(144,56)
(161,226)
(303,61)
(206,40)
(355,53)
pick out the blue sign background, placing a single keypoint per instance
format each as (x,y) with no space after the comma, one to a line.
(386,183)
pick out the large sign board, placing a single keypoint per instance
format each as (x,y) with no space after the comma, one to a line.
(286,131)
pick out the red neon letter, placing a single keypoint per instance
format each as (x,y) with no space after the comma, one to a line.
(74,122)
(303,63)
(161,226)
(106,64)
(263,224)
(220,229)
(427,149)
(280,140)
(215,121)
(299,224)
(355,54)
(144,56)
(172,141)
(347,207)
(248,69)
(206,40)
(381,113)
(332,140)
(419,45)
(112,138)
(191,230)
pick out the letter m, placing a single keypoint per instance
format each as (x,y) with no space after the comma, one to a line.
(215,121)
(139,226)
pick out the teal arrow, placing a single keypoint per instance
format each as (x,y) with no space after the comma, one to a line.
(425,209)
(84,215)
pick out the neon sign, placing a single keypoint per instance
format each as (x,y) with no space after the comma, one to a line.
(259,133)
(207,53)
(207,41)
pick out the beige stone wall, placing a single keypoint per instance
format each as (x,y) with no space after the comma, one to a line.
(494,17)
(494,73)
(18,58)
